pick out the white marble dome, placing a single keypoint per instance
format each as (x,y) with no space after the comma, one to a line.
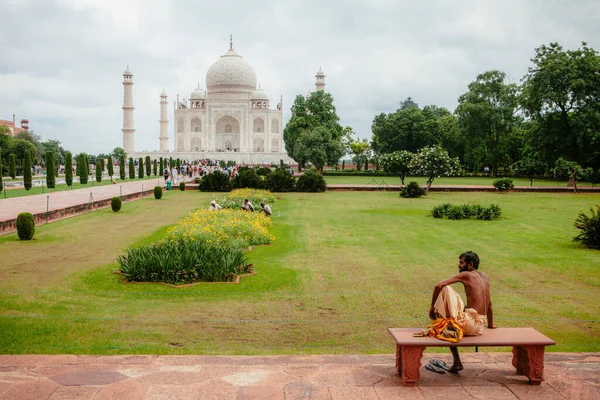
(231,74)
(259,94)
(197,94)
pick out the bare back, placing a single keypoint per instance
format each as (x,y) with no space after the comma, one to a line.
(477,290)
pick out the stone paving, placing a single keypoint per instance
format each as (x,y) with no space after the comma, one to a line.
(140,377)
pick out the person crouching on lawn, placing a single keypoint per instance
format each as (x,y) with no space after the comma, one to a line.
(214,206)
(266,209)
(446,302)
(247,206)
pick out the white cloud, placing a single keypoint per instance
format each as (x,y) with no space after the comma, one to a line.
(63,60)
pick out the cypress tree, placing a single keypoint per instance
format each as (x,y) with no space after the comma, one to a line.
(170,163)
(83,173)
(98,171)
(131,169)
(162,166)
(27,170)
(122,168)
(141,168)
(109,165)
(50,177)
(86,167)
(1,184)
(12,166)
(148,166)
(178,166)
(155,167)
(102,165)
(69,168)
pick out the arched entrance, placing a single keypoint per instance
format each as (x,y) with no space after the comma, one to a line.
(227,134)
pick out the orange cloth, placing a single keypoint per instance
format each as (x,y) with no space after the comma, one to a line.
(446,329)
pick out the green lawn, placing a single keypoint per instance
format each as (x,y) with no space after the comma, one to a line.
(476,181)
(344,267)
(18,192)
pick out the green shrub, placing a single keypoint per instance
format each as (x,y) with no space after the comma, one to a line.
(148,166)
(157,192)
(115,204)
(246,178)
(440,211)
(1,184)
(155,168)
(110,168)
(263,171)
(504,184)
(27,170)
(280,180)
(215,182)
(12,166)
(181,262)
(466,211)
(310,181)
(590,228)
(412,190)
(182,186)
(25,226)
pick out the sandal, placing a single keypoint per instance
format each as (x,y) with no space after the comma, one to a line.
(434,368)
(439,364)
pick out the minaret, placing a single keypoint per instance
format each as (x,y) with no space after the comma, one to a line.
(128,130)
(164,128)
(320,82)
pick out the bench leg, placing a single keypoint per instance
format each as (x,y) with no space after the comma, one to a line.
(529,361)
(408,362)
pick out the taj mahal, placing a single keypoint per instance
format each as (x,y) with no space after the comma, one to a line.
(232,120)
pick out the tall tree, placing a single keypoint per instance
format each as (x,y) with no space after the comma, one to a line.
(397,163)
(110,167)
(27,171)
(69,168)
(155,167)
(50,177)
(55,147)
(82,168)
(319,147)
(408,103)
(409,129)
(140,168)
(561,94)
(12,166)
(131,168)
(1,184)
(148,166)
(487,116)
(432,162)
(122,167)
(98,171)
(316,111)
(118,152)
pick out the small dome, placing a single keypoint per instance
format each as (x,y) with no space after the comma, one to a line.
(198,94)
(259,94)
(230,73)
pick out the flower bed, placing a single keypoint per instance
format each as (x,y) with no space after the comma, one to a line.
(227,227)
(235,198)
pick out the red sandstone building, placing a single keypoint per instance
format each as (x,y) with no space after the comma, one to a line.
(14,130)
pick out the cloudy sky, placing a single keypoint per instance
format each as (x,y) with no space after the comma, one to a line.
(62,61)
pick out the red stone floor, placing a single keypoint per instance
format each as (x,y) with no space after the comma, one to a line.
(486,376)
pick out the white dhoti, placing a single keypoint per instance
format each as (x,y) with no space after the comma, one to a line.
(450,305)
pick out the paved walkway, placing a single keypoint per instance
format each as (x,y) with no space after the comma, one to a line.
(35,204)
(364,377)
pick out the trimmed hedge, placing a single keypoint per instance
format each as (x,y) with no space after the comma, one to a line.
(590,229)
(27,170)
(412,190)
(354,172)
(247,178)
(215,182)
(158,192)
(466,211)
(310,181)
(50,174)
(280,180)
(25,226)
(182,186)
(115,204)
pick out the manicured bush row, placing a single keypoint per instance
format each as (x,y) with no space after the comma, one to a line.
(466,211)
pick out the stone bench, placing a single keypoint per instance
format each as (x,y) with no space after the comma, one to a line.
(527,343)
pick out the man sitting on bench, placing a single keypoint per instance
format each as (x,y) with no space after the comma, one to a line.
(446,302)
